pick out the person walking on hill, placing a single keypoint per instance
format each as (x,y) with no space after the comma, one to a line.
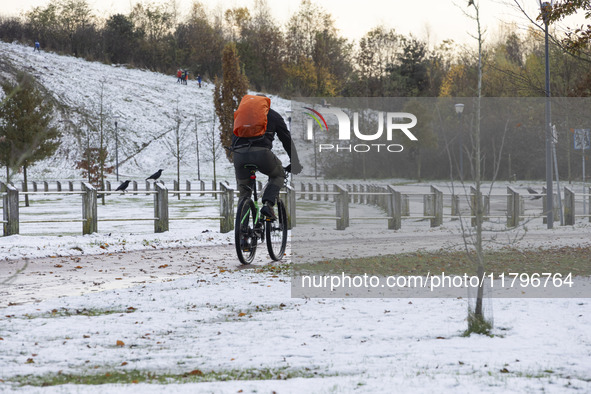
(37,47)
(178,76)
(199,79)
(186,76)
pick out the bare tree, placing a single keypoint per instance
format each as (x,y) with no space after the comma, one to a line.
(178,141)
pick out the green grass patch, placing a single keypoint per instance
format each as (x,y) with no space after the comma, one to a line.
(575,260)
(276,269)
(64,312)
(138,376)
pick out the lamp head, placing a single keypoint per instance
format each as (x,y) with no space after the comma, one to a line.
(459,108)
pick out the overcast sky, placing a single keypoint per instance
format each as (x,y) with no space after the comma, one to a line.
(433,19)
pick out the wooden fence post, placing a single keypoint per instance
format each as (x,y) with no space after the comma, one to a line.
(326,191)
(10,210)
(405,205)
(486,207)
(513,207)
(89,210)
(318,190)
(342,207)
(160,208)
(58,185)
(437,207)
(45,186)
(394,209)
(202,187)
(176,188)
(474,202)
(134,187)
(569,206)
(108,185)
(188,188)
(290,207)
(226,209)
(35,187)
(554,206)
(455,205)
(71,186)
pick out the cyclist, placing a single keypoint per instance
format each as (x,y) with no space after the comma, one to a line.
(257,150)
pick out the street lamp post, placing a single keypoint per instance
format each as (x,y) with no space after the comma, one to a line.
(545,7)
(116,148)
(459,110)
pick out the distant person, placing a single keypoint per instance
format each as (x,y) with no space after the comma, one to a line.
(37,47)
(179,75)
(155,175)
(186,77)
(199,79)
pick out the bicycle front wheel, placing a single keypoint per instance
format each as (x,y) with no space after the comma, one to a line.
(244,233)
(277,233)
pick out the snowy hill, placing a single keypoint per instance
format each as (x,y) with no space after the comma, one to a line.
(144,103)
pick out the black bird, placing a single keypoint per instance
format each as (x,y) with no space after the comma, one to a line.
(532,191)
(470,2)
(155,175)
(123,186)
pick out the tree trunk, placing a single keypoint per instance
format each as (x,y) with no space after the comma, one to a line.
(25,186)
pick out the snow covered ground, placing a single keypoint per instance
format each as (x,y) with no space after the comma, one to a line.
(234,322)
(178,302)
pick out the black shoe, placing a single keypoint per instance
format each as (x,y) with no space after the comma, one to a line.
(267,210)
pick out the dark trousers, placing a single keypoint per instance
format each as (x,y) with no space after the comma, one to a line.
(267,163)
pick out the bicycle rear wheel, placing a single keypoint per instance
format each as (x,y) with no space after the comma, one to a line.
(244,234)
(277,233)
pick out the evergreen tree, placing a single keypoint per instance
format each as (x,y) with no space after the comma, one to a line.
(25,117)
(228,93)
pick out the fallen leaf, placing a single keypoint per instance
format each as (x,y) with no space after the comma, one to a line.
(30,361)
(120,343)
(196,372)
(124,363)
(504,370)
(241,314)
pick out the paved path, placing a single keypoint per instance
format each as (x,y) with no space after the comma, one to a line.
(48,277)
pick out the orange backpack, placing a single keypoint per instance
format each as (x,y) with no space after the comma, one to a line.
(250,119)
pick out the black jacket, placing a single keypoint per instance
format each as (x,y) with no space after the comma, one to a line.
(275,126)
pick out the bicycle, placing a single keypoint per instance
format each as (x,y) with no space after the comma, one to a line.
(250,227)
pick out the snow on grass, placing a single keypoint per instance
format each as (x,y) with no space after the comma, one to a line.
(146,103)
(233,322)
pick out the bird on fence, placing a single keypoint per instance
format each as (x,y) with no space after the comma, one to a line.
(155,175)
(123,186)
(532,191)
